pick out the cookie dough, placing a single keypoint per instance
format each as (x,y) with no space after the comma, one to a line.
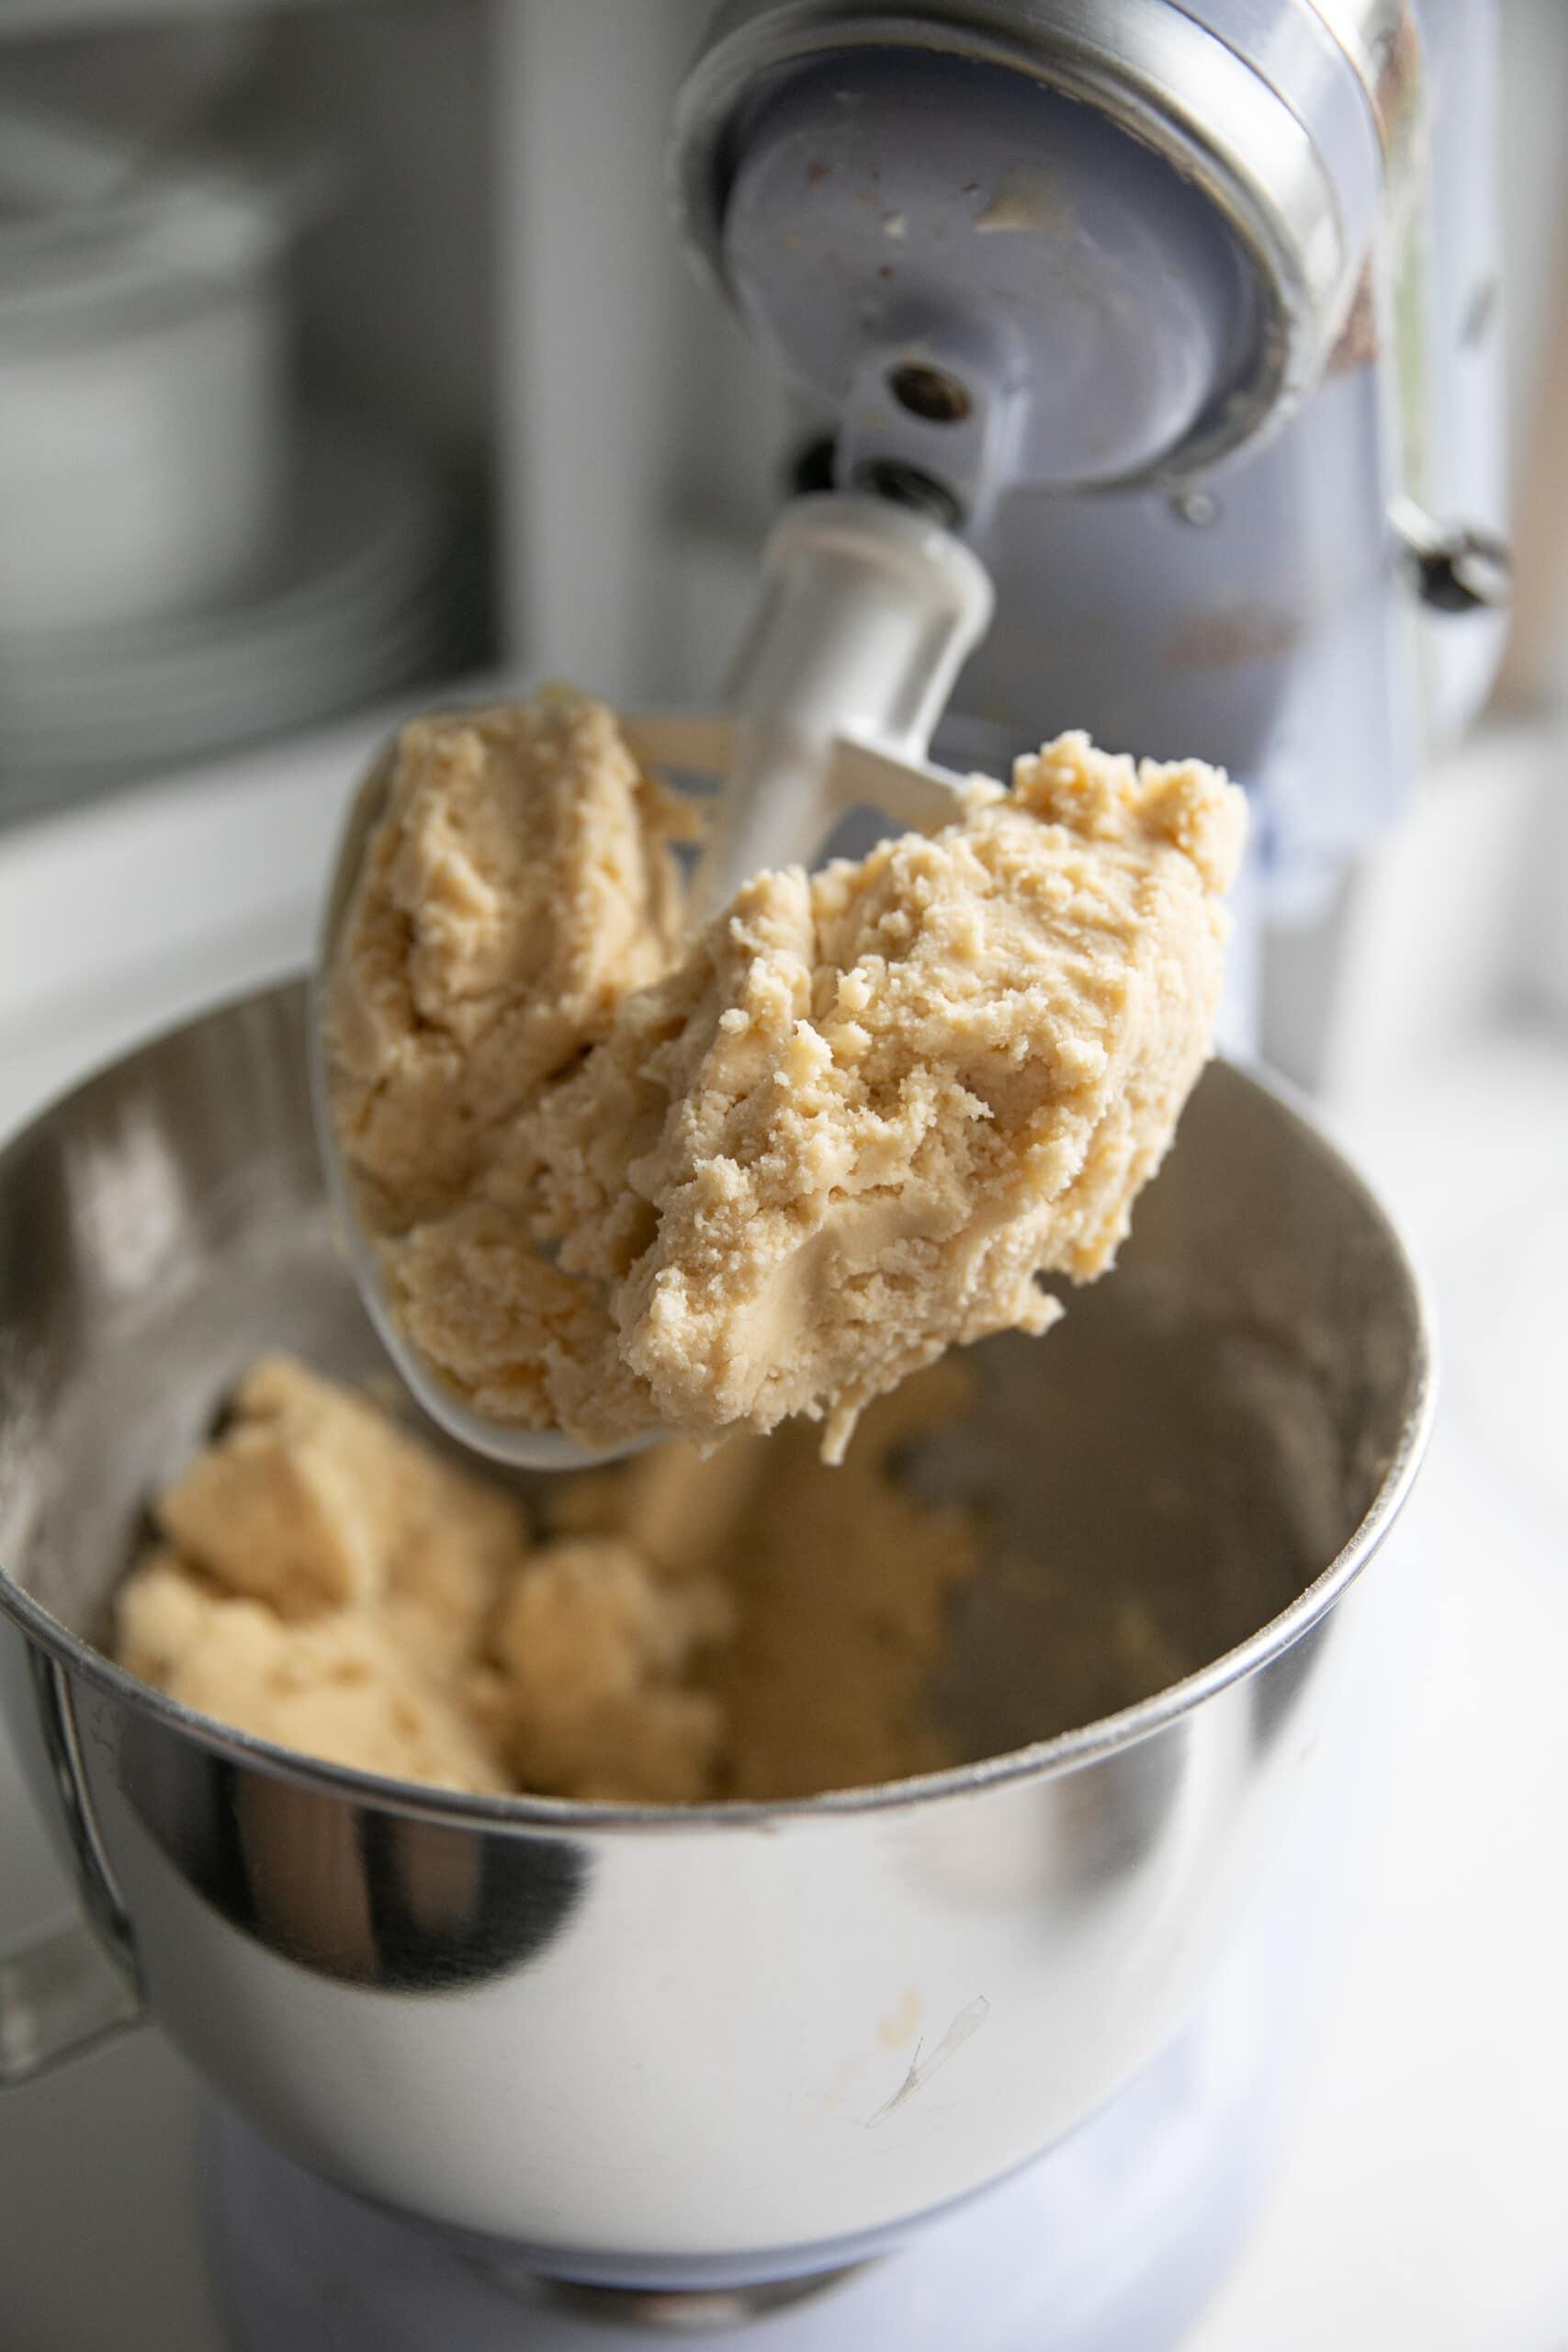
(518,886)
(842,1584)
(341,1687)
(772,1172)
(323,1579)
(676,1629)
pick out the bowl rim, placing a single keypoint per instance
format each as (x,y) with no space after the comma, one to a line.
(1041,1759)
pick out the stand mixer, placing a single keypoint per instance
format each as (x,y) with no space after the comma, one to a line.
(1153,348)
(1168,331)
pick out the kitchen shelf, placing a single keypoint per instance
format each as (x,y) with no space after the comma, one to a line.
(33,19)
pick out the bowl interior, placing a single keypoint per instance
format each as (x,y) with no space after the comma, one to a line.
(1155,1481)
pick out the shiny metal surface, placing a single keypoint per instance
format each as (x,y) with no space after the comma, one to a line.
(60,1996)
(1373,34)
(691,2049)
(1455,566)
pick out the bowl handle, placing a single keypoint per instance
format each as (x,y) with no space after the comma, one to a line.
(60,1994)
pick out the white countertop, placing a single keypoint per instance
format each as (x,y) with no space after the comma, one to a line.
(1423,2206)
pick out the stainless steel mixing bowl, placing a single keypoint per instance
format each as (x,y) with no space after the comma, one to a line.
(667,2046)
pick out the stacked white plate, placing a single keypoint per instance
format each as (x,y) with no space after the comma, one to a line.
(367,589)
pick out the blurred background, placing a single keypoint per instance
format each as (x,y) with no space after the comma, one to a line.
(346,358)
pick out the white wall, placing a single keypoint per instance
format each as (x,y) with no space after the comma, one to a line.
(639,429)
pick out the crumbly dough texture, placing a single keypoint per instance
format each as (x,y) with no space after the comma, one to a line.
(841,1582)
(324,1579)
(518,884)
(674,1629)
(774,1171)
(341,1687)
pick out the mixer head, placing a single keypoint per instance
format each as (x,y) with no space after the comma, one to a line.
(1108,289)
(1059,249)
(1062,247)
